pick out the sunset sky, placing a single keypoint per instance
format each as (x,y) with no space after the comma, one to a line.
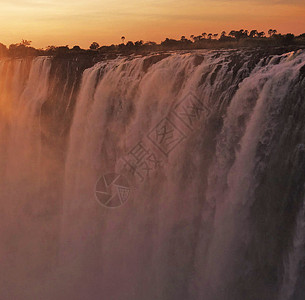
(79,22)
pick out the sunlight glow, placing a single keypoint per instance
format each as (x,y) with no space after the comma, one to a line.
(54,22)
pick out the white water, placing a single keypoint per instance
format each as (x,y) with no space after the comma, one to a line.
(22,234)
(263,91)
(295,258)
(184,230)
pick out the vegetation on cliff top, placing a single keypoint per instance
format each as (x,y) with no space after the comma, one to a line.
(234,39)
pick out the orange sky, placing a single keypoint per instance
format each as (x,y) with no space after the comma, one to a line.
(61,22)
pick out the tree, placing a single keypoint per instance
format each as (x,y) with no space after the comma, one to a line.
(204,35)
(139,43)
(239,34)
(197,38)
(253,33)
(94,46)
(233,33)
(271,32)
(62,49)
(129,44)
(215,35)
(170,43)
(22,49)
(26,42)
(223,34)
(121,46)
(289,37)
(51,48)
(210,35)
(3,50)
(261,34)
(123,39)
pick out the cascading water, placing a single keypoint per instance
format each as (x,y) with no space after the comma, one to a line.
(23,92)
(295,259)
(210,145)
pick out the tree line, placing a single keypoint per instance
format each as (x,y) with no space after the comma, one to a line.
(233,39)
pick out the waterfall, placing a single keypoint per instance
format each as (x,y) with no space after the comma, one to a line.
(263,93)
(166,176)
(295,258)
(23,92)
